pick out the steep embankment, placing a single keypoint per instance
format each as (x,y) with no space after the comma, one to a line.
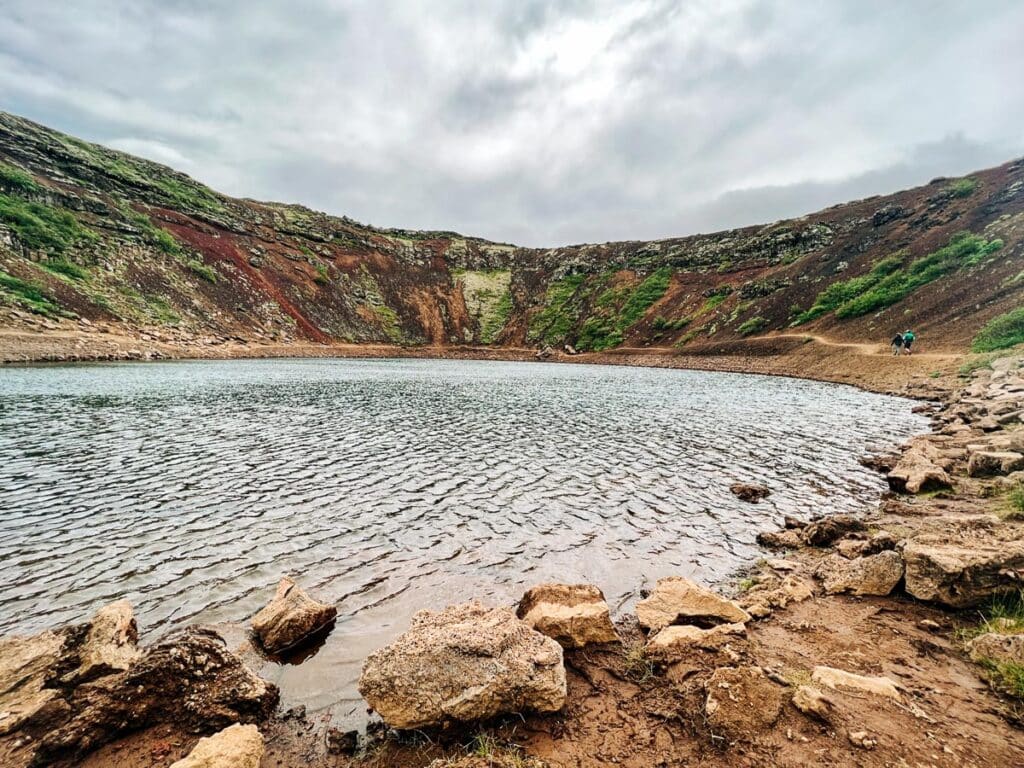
(98,240)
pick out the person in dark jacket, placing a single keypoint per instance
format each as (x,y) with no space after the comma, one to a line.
(897,344)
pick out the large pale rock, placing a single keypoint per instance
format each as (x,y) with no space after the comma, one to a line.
(26,664)
(873,575)
(839,679)
(997,647)
(776,593)
(290,618)
(741,702)
(991,463)
(575,615)
(920,469)
(237,746)
(677,600)
(465,663)
(961,575)
(108,645)
(675,642)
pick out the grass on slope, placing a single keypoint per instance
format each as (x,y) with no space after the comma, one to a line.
(28,295)
(1001,332)
(17,179)
(554,321)
(889,283)
(42,227)
(606,328)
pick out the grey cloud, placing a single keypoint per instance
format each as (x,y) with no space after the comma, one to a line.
(534,122)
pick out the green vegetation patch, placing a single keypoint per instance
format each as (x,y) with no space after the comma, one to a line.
(488,299)
(66,268)
(560,311)
(17,179)
(1001,332)
(202,270)
(42,227)
(844,291)
(753,325)
(153,234)
(607,327)
(962,187)
(28,295)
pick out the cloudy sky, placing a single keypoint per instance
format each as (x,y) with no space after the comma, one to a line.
(540,123)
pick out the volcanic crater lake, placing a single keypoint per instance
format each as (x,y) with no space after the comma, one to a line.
(387,486)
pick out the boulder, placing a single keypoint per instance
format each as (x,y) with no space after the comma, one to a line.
(465,663)
(960,575)
(575,615)
(741,702)
(838,678)
(290,618)
(992,463)
(237,746)
(873,575)
(109,644)
(26,665)
(775,593)
(997,647)
(919,470)
(829,529)
(813,703)
(787,539)
(190,679)
(673,643)
(749,492)
(677,600)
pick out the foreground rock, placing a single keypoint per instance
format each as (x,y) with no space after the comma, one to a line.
(830,529)
(750,492)
(677,600)
(290,618)
(238,746)
(741,702)
(465,663)
(813,703)
(839,679)
(962,574)
(993,646)
(873,575)
(921,468)
(673,643)
(190,679)
(574,615)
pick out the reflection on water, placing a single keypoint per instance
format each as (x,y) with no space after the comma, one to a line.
(390,485)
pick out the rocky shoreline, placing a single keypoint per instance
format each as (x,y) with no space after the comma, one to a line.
(858,641)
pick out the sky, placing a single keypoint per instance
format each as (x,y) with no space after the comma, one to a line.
(537,123)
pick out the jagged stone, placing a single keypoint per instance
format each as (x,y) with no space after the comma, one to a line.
(838,678)
(109,644)
(991,463)
(962,575)
(996,646)
(741,702)
(829,529)
(674,642)
(26,664)
(465,663)
(813,703)
(873,575)
(237,746)
(290,618)
(787,539)
(919,469)
(575,615)
(677,600)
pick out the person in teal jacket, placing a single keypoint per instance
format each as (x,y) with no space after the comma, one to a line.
(908,339)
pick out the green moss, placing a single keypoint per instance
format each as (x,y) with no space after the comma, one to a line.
(323,277)
(662,323)
(16,179)
(753,325)
(1001,332)
(843,291)
(42,227)
(962,187)
(201,269)
(714,301)
(389,323)
(493,323)
(66,268)
(555,320)
(153,234)
(28,295)
(647,293)
(160,310)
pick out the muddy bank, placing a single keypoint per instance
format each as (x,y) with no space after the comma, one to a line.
(855,653)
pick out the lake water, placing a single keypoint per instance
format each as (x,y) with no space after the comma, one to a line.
(386,486)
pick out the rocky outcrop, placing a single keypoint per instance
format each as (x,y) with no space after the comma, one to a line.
(26,667)
(574,615)
(824,532)
(992,463)
(677,600)
(995,646)
(237,746)
(190,679)
(465,663)
(290,618)
(921,468)
(109,644)
(872,575)
(750,492)
(741,702)
(961,574)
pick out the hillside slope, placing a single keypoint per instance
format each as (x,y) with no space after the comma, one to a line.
(98,237)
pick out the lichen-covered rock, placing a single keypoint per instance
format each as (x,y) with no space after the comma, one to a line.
(996,646)
(677,600)
(290,618)
(873,575)
(465,663)
(575,615)
(237,746)
(962,574)
(741,702)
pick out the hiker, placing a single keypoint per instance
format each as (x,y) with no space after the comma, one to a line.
(908,339)
(897,344)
